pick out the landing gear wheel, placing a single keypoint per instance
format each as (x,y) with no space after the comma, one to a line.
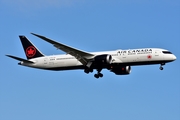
(96,75)
(100,75)
(161,68)
(86,71)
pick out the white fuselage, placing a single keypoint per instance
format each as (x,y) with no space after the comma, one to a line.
(129,57)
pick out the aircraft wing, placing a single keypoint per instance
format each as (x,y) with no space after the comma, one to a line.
(82,56)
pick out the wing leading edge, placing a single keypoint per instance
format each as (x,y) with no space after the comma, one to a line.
(82,56)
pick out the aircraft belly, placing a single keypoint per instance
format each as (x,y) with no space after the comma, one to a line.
(66,63)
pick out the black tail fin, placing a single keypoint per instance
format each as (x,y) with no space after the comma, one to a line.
(30,50)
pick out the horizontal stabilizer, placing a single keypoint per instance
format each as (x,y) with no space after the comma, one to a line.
(19,59)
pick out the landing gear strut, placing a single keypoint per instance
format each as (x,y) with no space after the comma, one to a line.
(161,66)
(98,74)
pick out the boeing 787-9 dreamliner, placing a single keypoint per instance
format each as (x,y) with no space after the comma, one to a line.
(117,61)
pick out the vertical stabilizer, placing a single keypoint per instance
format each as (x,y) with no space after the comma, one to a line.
(30,50)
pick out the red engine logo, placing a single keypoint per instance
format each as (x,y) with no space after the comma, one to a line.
(30,51)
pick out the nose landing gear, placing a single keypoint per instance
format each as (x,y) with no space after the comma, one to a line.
(161,66)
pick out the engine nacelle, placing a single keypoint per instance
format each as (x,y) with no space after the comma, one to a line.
(121,70)
(103,59)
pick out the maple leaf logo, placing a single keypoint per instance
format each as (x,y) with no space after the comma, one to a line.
(149,56)
(30,51)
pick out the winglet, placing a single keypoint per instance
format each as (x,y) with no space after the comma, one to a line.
(46,39)
(42,37)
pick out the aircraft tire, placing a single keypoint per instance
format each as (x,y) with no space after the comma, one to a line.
(161,68)
(100,75)
(86,71)
(96,75)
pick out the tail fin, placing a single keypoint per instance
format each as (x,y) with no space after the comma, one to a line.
(30,50)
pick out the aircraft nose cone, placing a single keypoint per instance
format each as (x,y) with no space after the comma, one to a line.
(174,57)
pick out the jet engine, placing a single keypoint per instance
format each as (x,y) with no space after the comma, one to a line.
(121,70)
(103,59)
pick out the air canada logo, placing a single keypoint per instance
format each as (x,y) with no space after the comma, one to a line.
(30,51)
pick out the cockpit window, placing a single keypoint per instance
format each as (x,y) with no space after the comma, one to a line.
(166,52)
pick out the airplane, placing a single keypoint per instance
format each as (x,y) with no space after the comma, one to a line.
(117,61)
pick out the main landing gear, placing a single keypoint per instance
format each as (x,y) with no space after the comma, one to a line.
(88,70)
(97,75)
(161,66)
